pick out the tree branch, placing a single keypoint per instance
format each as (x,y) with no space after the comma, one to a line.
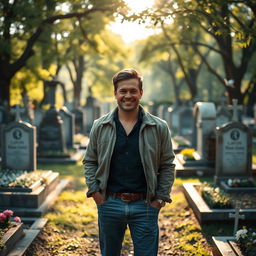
(28,52)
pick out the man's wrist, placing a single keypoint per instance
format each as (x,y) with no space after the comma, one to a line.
(161,202)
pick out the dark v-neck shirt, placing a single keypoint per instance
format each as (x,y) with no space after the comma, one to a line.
(126,170)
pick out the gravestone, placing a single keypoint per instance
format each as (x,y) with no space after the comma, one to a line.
(105,108)
(233,149)
(51,132)
(152,108)
(185,121)
(69,126)
(19,145)
(166,114)
(223,116)
(80,118)
(39,113)
(169,116)
(205,123)
(3,115)
(175,119)
(92,112)
(3,121)
(239,112)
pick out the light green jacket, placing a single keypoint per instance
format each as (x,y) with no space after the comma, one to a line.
(155,149)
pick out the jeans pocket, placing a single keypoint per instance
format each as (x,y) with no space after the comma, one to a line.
(105,202)
(154,208)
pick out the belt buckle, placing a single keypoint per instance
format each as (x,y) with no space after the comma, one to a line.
(124,197)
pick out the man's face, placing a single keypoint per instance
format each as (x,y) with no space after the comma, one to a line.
(128,94)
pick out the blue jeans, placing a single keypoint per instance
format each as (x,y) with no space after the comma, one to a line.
(113,217)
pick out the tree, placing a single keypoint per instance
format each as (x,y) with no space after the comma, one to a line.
(23,24)
(231,25)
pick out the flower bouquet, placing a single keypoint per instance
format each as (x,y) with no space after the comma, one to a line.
(6,218)
(246,240)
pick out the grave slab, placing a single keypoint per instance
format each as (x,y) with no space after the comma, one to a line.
(73,159)
(225,246)
(30,199)
(236,189)
(205,214)
(20,248)
(11,237)
(30,234)
(42,208)
(192,170)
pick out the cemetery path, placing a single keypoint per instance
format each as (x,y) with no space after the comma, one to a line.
(180,234)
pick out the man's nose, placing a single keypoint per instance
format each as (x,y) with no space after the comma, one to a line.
(128,95)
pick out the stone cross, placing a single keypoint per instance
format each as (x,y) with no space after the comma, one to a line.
(235,109)
(236,216)
(18,111)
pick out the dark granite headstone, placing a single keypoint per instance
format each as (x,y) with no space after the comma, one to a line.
(69,126)
(185,121)
(92,112)
(79,120)
(51,132)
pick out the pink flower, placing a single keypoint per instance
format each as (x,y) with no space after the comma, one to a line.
(2,216)
(17,219)
(8,213)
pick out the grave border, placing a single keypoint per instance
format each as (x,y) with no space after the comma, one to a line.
(11,237)
(204,213)
(225,246)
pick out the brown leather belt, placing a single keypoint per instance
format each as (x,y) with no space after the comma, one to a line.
(128,197)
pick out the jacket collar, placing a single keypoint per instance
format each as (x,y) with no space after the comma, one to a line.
(146,119)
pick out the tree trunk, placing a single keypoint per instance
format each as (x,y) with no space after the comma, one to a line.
(5,92)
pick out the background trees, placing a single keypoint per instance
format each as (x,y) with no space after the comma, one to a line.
(28,26)
(197,31)
(203,49)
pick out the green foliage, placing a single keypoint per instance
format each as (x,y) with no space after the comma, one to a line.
(33,31)
(215,197)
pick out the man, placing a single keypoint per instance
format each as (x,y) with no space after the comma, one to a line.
(129,170)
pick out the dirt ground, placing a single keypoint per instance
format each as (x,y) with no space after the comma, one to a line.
(176,224)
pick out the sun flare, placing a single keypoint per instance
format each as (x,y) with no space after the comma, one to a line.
(131,31)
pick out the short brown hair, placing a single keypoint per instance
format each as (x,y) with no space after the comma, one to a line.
(125,74)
